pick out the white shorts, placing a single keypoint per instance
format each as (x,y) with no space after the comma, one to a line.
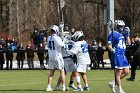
(81,67)
(69,66)
(57,63)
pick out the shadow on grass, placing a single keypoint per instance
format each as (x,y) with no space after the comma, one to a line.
(29,90)
(22,90)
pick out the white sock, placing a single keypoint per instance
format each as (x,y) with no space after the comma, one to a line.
(80,86)
(120,88)
(86,85)
(49,86)
(63,85)
(77,78)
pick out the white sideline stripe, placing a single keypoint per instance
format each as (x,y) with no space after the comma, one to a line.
(23,84)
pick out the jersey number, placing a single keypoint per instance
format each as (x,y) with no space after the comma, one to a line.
(84,48)
(121,44)
(51,45)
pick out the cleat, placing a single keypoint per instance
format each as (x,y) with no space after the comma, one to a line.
(78,89)
(130,79)
(121,91)
(65,88)
(56,88)
(86,88)
(112,86)
(72,86)
(49,89)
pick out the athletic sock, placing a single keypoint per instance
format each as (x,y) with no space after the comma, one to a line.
(77,78)
(71,82)
(119,88)
(86,85)
(49,86)
(63,85)
(80,86)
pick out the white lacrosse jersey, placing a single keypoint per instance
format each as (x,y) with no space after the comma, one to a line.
(55,45)
(80,49)
(65,55)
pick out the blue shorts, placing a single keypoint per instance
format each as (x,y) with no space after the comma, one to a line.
(119,61)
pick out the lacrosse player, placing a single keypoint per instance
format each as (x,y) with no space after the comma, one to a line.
(80,49)
(56,61)
(116,44)
(68,60)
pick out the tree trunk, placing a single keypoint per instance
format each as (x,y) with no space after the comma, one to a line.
(17,15)
(1,21)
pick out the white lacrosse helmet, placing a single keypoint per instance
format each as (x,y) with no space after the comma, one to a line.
(119,23)
(55,28)
(78,34)
(67,35)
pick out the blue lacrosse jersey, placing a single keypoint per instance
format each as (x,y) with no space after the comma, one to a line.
(118,58)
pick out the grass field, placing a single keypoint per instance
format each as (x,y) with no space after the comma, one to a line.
(35,81)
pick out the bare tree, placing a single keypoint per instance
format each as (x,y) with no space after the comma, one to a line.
(20,16)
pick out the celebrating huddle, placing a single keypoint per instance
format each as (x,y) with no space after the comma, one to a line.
(63,50)
(61,53)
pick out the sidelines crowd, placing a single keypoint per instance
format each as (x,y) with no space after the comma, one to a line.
(10,48)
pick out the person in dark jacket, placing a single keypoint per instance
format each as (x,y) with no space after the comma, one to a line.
(1,56)
(20,56)
(128,53)
(8,40)
(93,55)
(3,43)
(40,54)
(100,53)
(35,36)
(41,36)
(9,56)
(30,56)
(136,58)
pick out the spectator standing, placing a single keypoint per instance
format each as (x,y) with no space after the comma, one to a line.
(100,53)
(46,50)
(40,54)
(20,56)
(128,53)
(35,39)
(14,41)
(8,40)
(3,43)
(1,56)
(9,56)
(30,56)
(94,56)
(90,50)
(136,58)
(41,37)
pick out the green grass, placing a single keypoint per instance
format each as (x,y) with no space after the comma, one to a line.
(35,81)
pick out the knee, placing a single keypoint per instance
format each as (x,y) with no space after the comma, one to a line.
(126,72)
(82,74)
